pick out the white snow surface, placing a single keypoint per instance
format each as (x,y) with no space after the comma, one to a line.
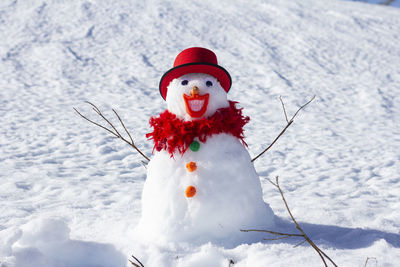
(69,188)
(47,243)
(392,3)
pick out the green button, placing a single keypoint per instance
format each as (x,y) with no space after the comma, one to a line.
(195,146)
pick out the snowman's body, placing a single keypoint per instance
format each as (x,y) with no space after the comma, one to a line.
(228,194)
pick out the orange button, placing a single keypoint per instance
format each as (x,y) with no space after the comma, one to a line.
(191,166)
(190,191)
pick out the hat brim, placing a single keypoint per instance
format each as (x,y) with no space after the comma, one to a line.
(214,70)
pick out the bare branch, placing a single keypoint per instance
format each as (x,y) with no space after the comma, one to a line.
(104,118)
(274,184)
(300,243)
(131,143)
(144,163)
(271,232)
(287,206)
(284,129)
(371,258)
(326,256)
(123,125)
(302,234)
(138,261)
(319,251)
(114,130)
(297,225)
(276,139)
(303,106)
(134,264)
(95,123)
(278,238)
(284,110)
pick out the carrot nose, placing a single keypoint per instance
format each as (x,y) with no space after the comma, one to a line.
(195,90)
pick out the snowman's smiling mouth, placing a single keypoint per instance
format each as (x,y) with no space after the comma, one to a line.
(196,105)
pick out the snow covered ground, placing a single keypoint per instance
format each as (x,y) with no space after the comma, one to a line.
(70,194)
(392,3)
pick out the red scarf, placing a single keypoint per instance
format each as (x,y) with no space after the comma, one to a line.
(171,133)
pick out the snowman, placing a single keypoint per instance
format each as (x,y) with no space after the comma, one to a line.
(201,185)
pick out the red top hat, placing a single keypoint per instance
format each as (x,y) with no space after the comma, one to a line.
(195,60)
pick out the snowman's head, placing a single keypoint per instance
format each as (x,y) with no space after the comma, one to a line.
(195,96)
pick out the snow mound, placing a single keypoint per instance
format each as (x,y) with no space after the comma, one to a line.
(46,242)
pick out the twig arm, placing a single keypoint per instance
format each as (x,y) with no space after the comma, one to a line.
(303,106)
(138,261)
(104,118)
(95,123)
(284,109)
(289,122)
(114,130)
(123,125)
(273,142)
(131,143)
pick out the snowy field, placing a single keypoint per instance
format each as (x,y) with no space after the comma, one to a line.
(70,195)
(392,3)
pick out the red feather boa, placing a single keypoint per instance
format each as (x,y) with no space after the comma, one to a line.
(171,133)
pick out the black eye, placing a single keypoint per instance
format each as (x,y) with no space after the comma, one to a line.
(184,82)
(209,83)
